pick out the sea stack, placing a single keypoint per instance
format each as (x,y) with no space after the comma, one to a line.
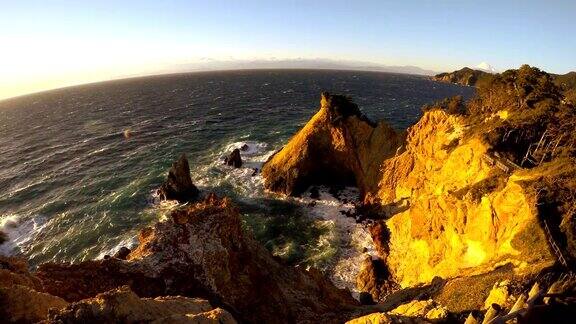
(178,185)
(338,146)
(234,159)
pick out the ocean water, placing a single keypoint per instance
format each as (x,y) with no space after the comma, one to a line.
(74,187)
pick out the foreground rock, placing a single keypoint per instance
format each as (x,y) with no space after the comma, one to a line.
(179,184)
(234,159)
(123,306)
(337,146)
(203,252)
(22,297)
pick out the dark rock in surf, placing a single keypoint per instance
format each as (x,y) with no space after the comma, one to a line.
(234,159)
(314,193)
(122,254)
(244,148)
(179,184)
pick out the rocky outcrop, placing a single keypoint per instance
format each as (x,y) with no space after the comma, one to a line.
(337,146)
(462,215)
(202,251)
(234,159)
(178,185)
(123,306)
(465,76)
(453,200)
(22,297)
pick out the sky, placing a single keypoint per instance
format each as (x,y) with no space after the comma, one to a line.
(47,44)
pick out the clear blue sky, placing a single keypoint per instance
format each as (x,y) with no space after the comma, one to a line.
(53,43)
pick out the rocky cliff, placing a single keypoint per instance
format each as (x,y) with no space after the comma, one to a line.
(451,199)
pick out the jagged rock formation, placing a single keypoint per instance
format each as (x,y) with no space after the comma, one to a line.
(203,252)
(179,184)
(454,200)
(465,76)
(337,146)
(123,306)
(234,159)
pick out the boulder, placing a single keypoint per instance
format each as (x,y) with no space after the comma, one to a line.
(3,237)
(22,296)
(178,186)
(234,159)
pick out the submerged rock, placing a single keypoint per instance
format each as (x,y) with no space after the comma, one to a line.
(234,159)
(202,251)
(178,185)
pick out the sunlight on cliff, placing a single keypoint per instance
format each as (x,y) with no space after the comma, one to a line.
(475,254)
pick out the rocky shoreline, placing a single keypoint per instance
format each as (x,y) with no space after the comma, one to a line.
(464,225)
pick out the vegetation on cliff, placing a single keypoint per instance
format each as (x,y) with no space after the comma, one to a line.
(465,76)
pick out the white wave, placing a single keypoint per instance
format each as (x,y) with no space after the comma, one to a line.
(350,240)
(20,232)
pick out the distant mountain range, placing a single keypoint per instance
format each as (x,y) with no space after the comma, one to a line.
(208,65)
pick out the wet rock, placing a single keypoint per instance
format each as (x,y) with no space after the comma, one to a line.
(3,237)
(314,193)
(244,147)
(366,298)
(178,185)
(122,253)
(254,171)
(234,159)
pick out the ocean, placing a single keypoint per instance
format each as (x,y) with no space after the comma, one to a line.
(79,166)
